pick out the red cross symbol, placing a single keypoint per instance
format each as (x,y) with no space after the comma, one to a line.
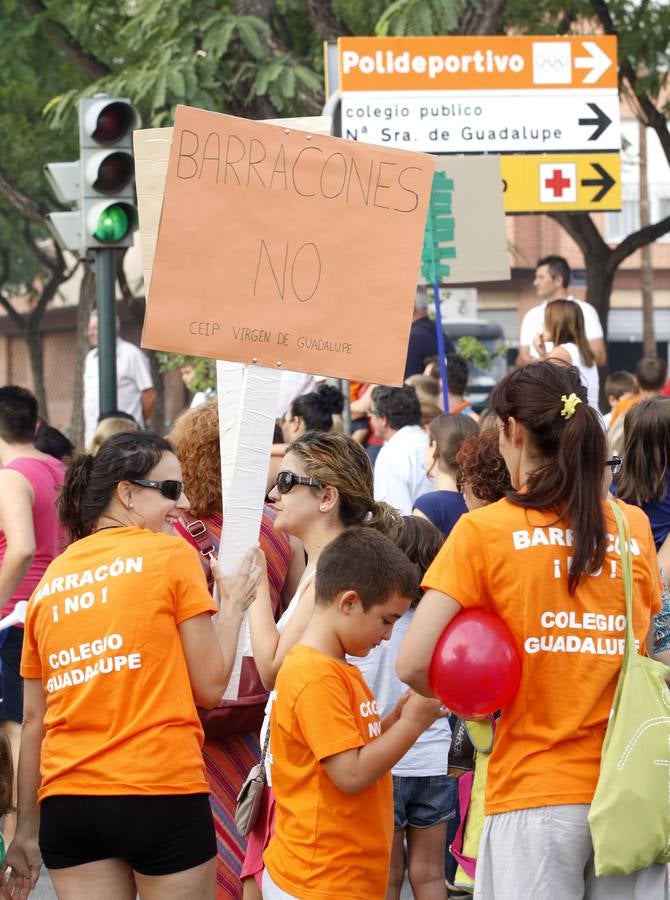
(557,183)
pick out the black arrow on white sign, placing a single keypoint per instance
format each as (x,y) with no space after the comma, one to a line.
(605,182)
(601,121)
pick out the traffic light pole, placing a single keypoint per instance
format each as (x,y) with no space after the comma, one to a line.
(104,292)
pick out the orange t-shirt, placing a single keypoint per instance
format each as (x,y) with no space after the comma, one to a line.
(623,406)
(326,843)
(515,562)
(101,633)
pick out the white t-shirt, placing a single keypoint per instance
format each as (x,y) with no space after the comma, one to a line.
(400,469)
(589,374)
(533,323)
(132,377)
(428,755)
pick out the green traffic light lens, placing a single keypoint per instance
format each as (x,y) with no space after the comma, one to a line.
(113,224)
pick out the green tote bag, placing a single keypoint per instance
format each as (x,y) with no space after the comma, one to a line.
(630,812)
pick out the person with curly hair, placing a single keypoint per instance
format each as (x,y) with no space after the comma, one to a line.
(482,474)
(195,436)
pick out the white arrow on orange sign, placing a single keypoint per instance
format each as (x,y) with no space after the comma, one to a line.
(598,62)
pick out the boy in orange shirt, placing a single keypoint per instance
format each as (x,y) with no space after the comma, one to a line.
(331,754)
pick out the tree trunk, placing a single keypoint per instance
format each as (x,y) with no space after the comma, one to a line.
(599,283)
(648,330)
(86,304)
(36,357)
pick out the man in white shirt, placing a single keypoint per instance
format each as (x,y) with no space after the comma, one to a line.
(134,385)
(400,467)
(552,277)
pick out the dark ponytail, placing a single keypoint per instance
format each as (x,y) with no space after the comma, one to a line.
(571,451)
(317,408)
(90,481)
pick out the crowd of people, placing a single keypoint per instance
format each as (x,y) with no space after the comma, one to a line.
(130,761)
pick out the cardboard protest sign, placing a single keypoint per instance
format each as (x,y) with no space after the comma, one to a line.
(152,154)
(286,249)
(476,248)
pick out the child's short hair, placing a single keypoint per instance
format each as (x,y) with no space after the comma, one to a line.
(420,541)
(651,372)
(619,383)
(363,560)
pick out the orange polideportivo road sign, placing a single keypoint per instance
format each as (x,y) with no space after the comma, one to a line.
(528,95)
(476,63)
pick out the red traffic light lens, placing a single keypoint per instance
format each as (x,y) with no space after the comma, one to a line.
(114,173)
(114,122)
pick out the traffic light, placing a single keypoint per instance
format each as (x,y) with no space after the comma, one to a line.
(65,183)
(107,171)
(100,185)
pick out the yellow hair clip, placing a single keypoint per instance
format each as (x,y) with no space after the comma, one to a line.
(570,404)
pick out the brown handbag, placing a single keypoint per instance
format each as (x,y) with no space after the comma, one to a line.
(245,714)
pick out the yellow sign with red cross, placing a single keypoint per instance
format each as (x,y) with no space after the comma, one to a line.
(563,182)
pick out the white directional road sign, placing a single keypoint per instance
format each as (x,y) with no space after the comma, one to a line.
(501,122)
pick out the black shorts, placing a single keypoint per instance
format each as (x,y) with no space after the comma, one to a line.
(155,835)
(11,683)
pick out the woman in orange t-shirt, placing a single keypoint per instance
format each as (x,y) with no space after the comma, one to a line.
(119,646)
(544,559)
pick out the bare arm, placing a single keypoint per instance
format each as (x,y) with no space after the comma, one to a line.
(295,572)
(148,400)
(523,356)
(363,404)
(210,651)
(417,512)
(23,855)
(599,351)
(663,556)
(268,645)
(431,617)
(16,520)
(353,770)
(559,353)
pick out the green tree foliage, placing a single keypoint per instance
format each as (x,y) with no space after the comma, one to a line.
(256,58)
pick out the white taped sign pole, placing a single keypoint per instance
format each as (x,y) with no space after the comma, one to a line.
(247,397)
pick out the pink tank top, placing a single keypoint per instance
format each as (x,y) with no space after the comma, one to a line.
(46,477)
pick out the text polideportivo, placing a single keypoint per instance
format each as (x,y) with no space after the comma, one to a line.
(386,62)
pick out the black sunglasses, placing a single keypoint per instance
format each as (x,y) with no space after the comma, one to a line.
(286,481)
(172,490)
(615,464)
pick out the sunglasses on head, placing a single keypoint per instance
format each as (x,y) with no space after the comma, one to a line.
(615,464)
(286,481)
(172,490)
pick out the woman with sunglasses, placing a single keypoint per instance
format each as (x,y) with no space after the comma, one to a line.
(545,560)
(119,646)
(228,753)
(324,486)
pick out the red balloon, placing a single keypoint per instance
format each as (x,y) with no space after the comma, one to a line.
(476,667)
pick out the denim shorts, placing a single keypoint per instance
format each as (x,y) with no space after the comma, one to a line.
(423,800)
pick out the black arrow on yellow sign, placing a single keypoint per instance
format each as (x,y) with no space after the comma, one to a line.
(605,182)
(601,121)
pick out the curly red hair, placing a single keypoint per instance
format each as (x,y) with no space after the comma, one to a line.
(195,438)
(482,467)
